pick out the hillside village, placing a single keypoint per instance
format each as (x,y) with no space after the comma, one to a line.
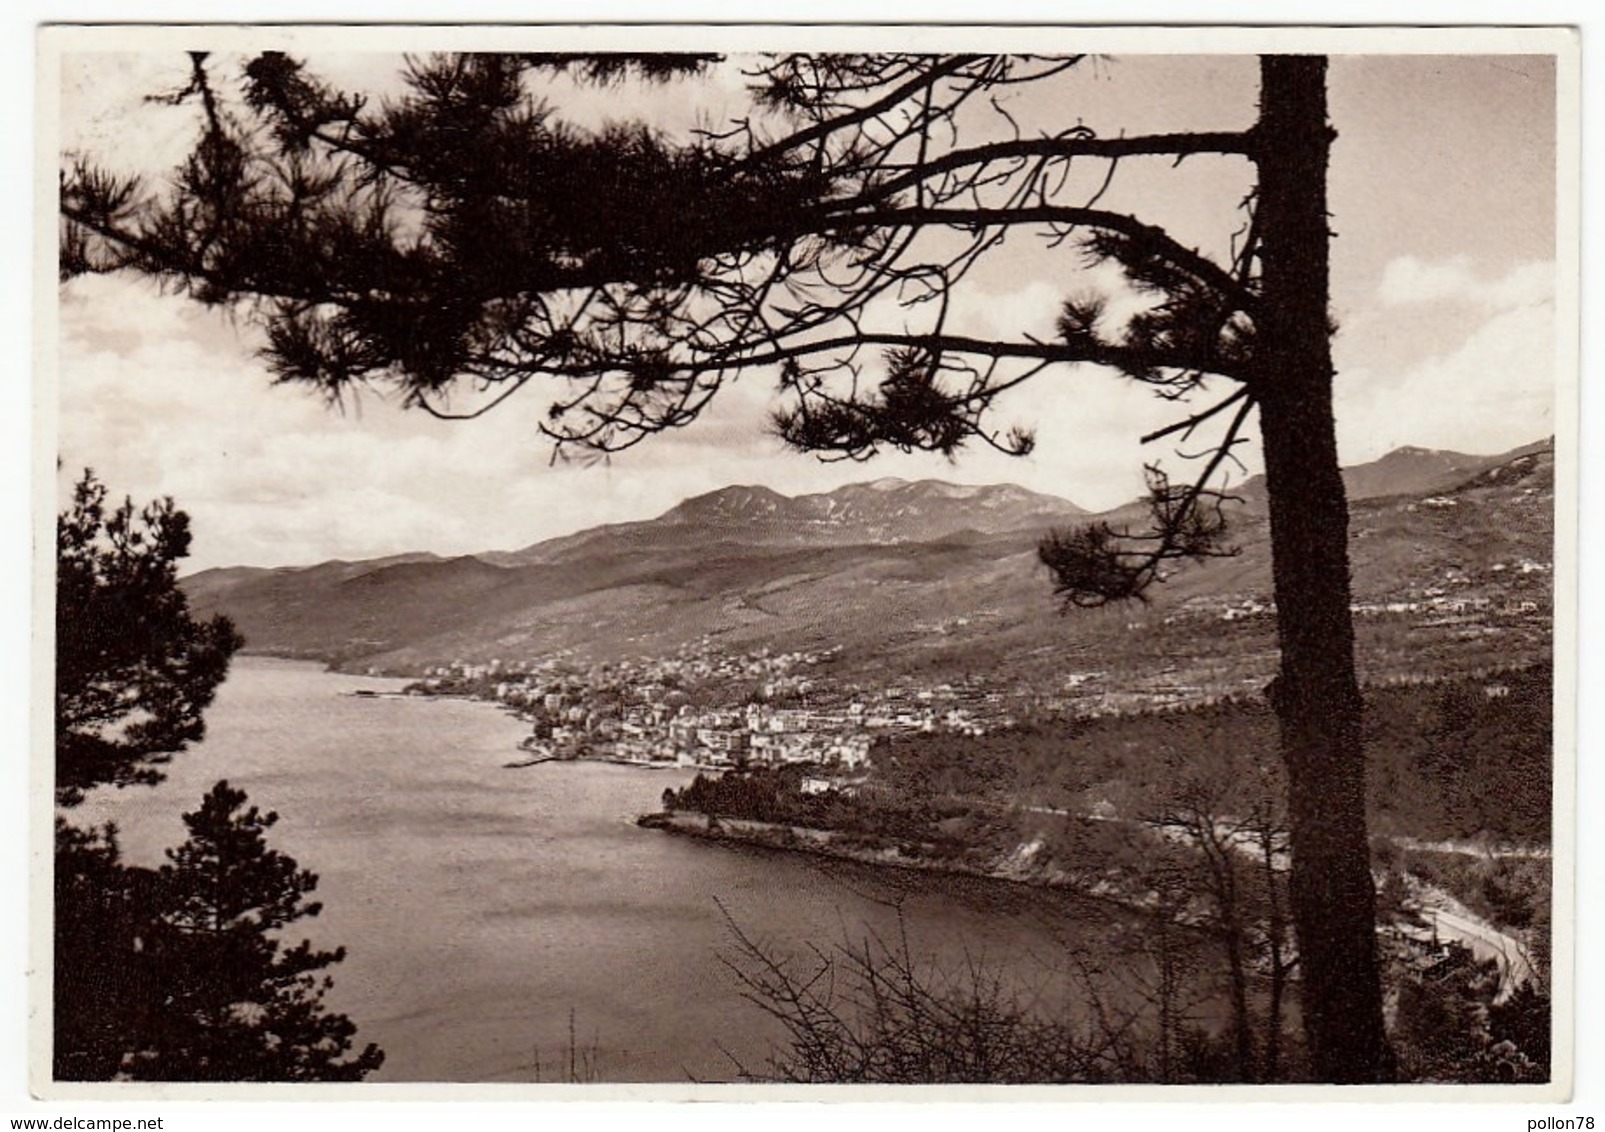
(700,708)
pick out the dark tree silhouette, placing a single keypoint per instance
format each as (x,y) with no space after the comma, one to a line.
(133,673)
(237,1004)
(179,974)
(460,243)
(105,1000)
(175,975)
(134,670)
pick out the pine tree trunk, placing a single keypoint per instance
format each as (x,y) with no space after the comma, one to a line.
(1316,697)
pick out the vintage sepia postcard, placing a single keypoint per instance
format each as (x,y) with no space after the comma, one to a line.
(806,562)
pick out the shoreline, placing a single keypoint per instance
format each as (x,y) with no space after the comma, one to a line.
(1015,869)
(1450,919)
(611,760)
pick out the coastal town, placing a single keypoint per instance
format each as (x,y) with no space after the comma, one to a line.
(702,709)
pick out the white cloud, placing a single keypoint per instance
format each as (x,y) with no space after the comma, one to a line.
(163,400)
(1495,391)
(1488,383)
(1408,280)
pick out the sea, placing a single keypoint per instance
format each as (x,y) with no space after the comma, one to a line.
(516,925)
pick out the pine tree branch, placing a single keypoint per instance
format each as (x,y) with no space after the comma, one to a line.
(1187,426)
(924,80)
(1207,270)
(1127,359)
(1066,147)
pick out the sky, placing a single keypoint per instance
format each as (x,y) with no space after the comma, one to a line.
(1444,287)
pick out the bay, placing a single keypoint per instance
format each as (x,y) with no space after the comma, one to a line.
(515,924)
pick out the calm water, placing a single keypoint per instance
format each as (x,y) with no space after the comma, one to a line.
(481,906)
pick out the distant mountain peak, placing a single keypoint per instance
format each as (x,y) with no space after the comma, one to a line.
(1409,470)
(740,491)
(735,499)
(889,510)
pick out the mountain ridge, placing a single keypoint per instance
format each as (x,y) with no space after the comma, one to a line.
(906,572)
(888,510)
